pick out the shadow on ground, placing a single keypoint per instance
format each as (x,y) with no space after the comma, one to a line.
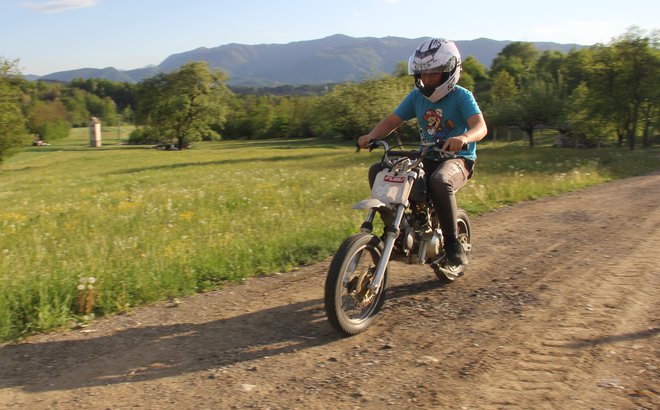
(153,352)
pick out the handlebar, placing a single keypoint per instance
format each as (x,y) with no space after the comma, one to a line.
(417,155)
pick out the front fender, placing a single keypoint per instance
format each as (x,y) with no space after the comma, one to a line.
(370,203)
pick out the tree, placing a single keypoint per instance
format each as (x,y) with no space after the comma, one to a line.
(101,107)
(573,68)
(641,71)
(502,105)
(182,106)
(550,64)
(253,117)
(48,120)
(123,94)
(537,101)
(109,111)
(624,78)
(352,109)
(127,115)
(518,59)
(475,68)
(401,69)
(75,103)
(584,121)
(12,120)
(527,88)
(541,103)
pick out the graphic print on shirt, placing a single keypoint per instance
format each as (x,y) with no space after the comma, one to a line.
(435,129)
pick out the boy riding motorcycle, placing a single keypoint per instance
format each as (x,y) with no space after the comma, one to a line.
(447,113)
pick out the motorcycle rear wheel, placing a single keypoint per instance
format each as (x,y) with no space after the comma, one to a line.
(350,305)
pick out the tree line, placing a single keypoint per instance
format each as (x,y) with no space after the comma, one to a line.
(607,93)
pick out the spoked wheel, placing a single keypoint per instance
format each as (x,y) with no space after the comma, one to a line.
(350,304)
(444,271)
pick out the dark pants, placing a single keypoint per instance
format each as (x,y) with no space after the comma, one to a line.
(443,179)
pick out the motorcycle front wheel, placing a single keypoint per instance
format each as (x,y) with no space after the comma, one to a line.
(350,304)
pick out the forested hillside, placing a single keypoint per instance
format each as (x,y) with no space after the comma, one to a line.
(605,94)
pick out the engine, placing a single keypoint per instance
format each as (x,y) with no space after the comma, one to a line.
(420,241)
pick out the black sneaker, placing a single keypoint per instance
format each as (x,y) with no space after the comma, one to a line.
(456,254)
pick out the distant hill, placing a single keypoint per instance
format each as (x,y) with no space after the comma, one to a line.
(109,73)
(333,59)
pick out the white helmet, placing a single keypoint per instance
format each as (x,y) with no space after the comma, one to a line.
(436,55)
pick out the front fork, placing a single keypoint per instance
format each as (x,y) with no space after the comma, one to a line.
(391,233)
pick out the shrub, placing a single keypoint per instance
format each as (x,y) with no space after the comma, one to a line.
(143,136)
(53,131)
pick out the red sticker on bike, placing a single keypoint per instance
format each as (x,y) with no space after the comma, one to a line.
(396,180)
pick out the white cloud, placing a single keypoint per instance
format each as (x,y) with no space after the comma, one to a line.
(57,6)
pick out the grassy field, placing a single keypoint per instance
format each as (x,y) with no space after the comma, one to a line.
(89,231)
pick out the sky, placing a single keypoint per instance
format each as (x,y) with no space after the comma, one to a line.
(47,36)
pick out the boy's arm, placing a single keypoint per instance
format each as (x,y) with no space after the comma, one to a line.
(381,130)
(477,129)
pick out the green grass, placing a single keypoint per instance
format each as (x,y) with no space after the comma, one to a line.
(510,173)
(91,231)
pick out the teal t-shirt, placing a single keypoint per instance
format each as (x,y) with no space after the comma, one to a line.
(443,119)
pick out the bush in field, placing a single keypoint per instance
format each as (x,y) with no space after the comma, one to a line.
(53,131)
(49,120)
(143,136)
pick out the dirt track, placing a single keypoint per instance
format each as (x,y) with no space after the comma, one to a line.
(559,309)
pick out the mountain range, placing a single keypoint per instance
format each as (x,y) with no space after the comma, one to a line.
(335,59)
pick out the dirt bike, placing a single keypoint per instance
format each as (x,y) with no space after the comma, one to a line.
(358,275)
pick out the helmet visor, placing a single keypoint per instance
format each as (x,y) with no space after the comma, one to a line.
(417,64)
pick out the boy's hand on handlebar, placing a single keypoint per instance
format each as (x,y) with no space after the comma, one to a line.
(455,144)
(364,141)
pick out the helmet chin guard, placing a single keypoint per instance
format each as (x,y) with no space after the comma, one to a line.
(436,55)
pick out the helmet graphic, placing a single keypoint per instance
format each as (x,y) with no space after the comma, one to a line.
(436,55)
